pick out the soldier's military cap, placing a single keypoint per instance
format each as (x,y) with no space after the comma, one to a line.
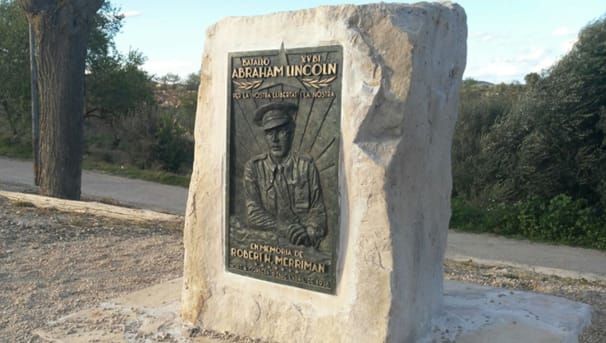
(274,114)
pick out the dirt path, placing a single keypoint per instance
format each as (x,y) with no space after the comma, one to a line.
(54,263)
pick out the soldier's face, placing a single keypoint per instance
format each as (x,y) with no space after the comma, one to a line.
(279,140)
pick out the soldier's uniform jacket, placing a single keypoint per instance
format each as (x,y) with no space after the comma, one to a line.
(283,194)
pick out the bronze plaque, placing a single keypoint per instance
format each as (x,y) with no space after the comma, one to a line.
(283,191)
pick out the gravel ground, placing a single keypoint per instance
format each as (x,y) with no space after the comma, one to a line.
(54,263)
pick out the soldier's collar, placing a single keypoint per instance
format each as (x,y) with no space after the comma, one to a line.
(286,164)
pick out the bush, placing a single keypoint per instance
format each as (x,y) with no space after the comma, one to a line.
(562,219)
(171,147)
(148,138)
(15,146)
(467,217)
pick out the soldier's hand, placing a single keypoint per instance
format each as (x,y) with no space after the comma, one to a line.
(298,234)
(314,235)
(284,229)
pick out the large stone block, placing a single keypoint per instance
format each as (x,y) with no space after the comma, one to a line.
(402,68)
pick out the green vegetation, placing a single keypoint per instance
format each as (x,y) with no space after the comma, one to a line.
(158,176)
(14,72)
(21,149)
(530,160)
(558,220)
(141,124)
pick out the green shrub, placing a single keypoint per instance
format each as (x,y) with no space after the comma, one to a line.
(467,217)
(561,219)
(502,219)
(527,215)
(171,147)
(15,147)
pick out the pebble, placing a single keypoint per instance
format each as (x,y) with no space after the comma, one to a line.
(51,264)
(68,250)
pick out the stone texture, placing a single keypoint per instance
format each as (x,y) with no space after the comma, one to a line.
(472,314)
(89,207)
(402,71)
(148,315)
(476,314)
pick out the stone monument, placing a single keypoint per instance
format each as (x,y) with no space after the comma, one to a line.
(320,196)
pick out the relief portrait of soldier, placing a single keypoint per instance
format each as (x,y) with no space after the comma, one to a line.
(282,188)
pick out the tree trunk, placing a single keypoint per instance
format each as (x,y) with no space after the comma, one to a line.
(61,29)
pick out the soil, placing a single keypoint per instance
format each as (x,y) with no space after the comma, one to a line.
(55,263)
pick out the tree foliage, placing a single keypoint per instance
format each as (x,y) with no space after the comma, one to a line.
(115,83)
(482,107)
(157,133)
(542,144)
(129,119)
(116,86)
(545,138)
(14,68)
(106,25)
(575,119)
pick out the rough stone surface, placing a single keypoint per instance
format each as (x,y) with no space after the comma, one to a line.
(84,207)
(148,315)
(53,263)
(402,71)
(69,251)
(475,314)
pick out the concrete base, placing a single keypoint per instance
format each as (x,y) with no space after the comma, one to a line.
(472,314)
(477,314)
(150,315)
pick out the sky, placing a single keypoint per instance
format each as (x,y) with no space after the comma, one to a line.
(507,39)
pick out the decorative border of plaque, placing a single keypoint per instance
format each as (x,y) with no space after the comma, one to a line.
(284,112)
